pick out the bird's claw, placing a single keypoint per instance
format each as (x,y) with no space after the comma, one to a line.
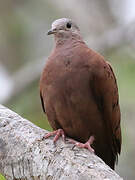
(57,134)
(86,145)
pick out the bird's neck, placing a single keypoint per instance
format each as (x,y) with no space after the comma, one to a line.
(65,40)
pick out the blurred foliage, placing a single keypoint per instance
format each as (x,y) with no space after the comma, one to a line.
(28,105)
(124,67)
(2,177)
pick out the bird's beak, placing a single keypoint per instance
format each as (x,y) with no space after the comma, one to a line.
(51,31)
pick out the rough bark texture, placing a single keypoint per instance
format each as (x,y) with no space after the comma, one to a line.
(25,156)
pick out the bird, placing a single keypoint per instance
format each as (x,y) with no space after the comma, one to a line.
(79,94)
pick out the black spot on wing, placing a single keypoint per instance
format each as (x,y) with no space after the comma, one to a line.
(42,102)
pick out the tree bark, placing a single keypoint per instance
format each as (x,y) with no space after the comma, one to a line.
(25,155)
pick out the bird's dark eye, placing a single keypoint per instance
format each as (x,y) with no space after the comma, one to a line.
(68,25)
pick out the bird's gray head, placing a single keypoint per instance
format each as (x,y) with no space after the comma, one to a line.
(64,29)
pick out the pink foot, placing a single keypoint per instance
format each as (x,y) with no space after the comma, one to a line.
(86,145)
(57,134)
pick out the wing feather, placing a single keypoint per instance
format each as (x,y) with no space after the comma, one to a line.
(106,93)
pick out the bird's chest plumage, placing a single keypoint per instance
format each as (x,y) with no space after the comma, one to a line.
(67,77)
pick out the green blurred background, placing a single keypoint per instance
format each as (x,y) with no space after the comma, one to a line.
(107,26)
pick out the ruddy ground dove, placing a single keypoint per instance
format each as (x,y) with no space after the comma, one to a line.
(79,94)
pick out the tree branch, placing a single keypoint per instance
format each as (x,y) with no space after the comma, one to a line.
(24,155)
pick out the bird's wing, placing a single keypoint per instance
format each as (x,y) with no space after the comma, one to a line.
(116,116)
(42,102)
(106,95)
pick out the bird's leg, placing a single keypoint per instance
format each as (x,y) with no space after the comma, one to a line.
(86,145)
(57,133)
